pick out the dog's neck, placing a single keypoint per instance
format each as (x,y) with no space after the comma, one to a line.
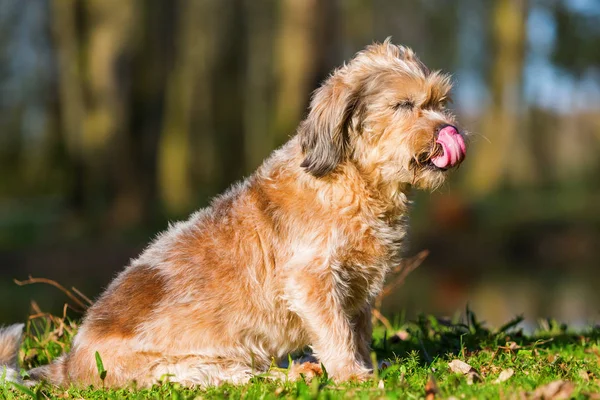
(342,188)
(388,198)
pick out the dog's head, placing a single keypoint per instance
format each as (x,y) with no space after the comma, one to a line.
(385,113)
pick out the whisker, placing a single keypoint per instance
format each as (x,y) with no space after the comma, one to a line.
(481,136)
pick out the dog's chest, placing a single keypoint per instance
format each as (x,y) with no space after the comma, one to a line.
(364,258)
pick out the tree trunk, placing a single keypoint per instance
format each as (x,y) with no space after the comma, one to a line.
(259,140)
(152,60)
(71,107)
(294,63)
(501,155)
(227,91)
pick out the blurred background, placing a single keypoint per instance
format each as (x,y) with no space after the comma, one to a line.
(117,116)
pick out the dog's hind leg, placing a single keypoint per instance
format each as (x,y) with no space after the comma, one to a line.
(141,369)
(201,371)
(80,367)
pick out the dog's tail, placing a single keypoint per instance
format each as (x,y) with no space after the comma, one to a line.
(10,340)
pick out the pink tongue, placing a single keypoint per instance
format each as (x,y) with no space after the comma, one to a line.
(453,146)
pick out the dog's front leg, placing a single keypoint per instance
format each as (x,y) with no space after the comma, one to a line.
(313,296)
(363,335)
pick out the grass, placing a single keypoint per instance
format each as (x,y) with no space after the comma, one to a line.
(418,354)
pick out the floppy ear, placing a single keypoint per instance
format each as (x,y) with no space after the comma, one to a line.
(324,132)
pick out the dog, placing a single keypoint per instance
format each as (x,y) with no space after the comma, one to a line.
(291,257)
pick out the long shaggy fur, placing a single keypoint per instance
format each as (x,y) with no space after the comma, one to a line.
(10,339)
(291,257)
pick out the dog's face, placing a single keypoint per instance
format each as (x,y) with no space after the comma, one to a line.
(385,112)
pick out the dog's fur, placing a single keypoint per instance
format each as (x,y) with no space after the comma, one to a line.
(291,257)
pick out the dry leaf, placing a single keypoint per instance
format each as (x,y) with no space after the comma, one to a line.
(505,375)
(431,388)
(554,391)
(583,374)
(380,385)
(459,367)
(462,367)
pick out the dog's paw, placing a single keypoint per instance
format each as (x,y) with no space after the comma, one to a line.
(354,373)
(308,370)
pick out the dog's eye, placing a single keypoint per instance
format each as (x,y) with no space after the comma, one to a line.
(444,101)
(405,104)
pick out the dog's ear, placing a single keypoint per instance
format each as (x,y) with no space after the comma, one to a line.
(324,132)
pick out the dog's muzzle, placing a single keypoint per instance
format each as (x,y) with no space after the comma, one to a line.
(453,146)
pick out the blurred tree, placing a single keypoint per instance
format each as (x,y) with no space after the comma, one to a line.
(175,141)
(70,93)
(294,62)
(227,91)
(152,61)
(578,39)
(204,167)
(106,142)
(259,81)
(94,39)
(112,57)
(501,155)
(29,140)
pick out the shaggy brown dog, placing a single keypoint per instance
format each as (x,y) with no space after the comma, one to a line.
(293,256)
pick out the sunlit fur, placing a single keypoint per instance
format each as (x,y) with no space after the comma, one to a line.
(292,257)
(10,339)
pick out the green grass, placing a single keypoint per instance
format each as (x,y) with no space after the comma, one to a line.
(418,360)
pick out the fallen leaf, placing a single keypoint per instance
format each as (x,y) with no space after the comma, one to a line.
(583,374)
(431,388)
(380,385)
(556,390)
(459,366)
(462,367)
(505,375)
